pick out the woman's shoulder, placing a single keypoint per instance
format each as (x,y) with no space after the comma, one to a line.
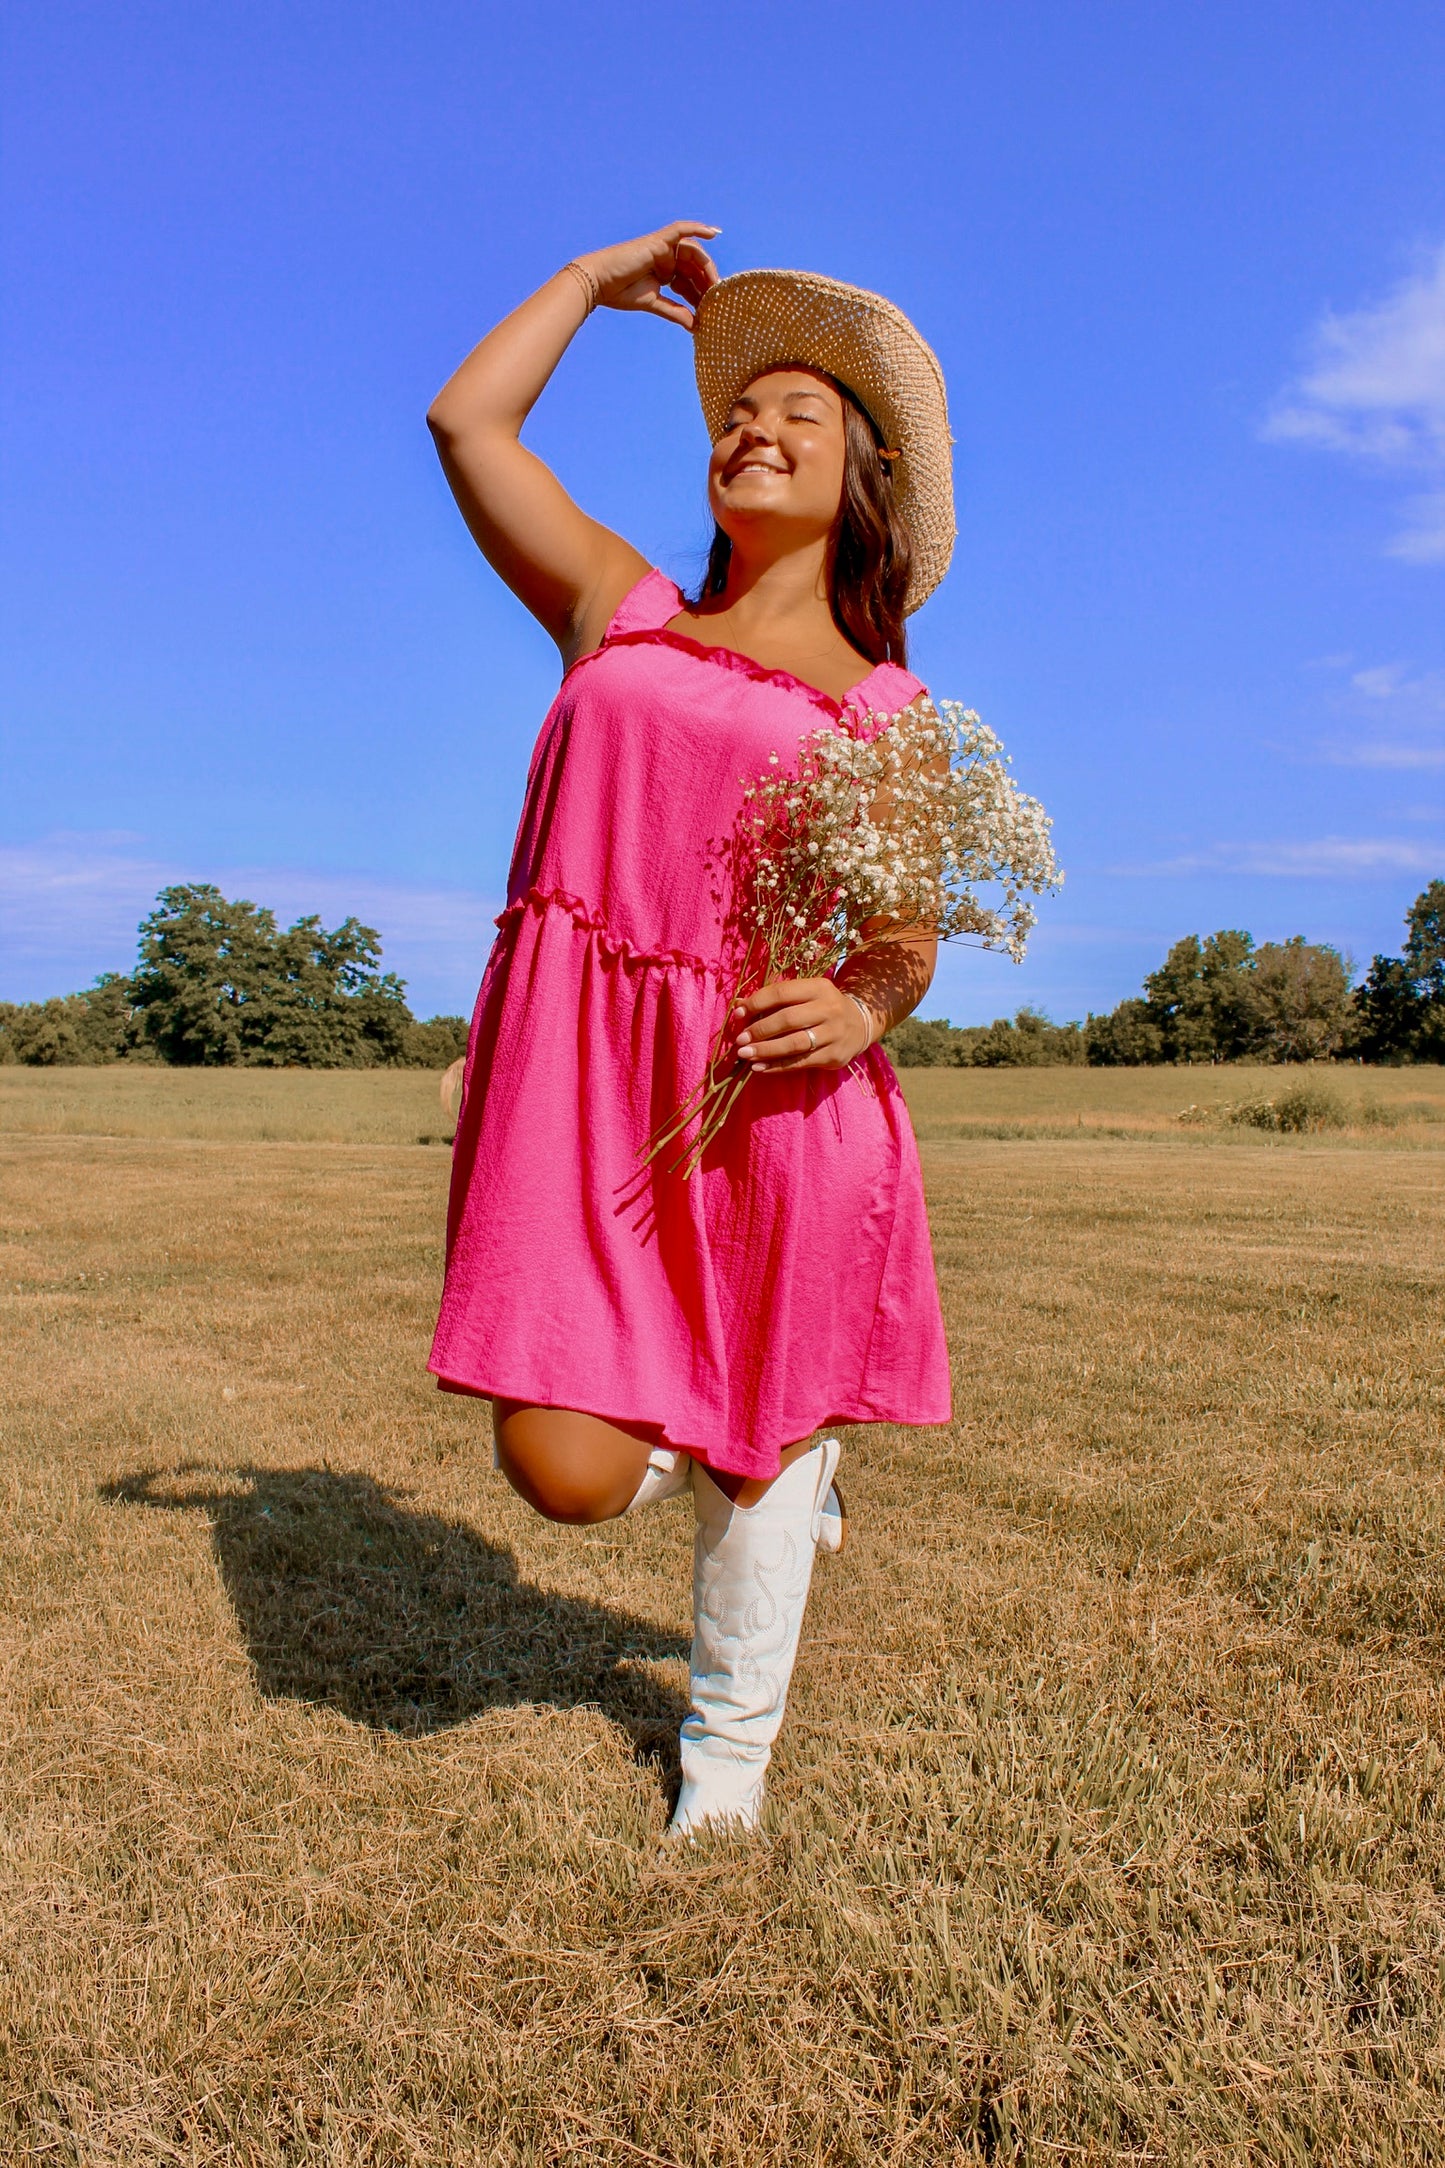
(647,606)
(628,589)
(887,689)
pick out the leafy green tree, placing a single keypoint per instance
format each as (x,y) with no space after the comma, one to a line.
(71,1030)
(1028,1040)
(1223,999)
(217,984)
(202,966)
(1298,1004)
(923,1043)
(1425,956)
(1127,1036)
(1388,1012)
(1425,941)
(1199,997)
(1400,1008)
(327,1004)
(436,1044)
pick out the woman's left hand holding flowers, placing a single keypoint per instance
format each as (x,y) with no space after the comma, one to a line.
(801,1024)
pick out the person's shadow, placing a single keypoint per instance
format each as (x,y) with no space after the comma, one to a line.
(405,1621)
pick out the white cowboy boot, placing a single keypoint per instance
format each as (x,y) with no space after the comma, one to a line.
(667,1475)
(751,1569)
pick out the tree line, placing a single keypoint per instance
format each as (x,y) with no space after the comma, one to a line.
(1222,998)
(220,984)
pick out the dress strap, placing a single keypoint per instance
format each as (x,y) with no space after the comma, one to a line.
(646,607)
(886,690)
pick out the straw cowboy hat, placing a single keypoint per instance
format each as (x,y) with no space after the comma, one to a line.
(758,320)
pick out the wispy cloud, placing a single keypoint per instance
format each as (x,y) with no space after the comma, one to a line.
(1380,754)
(1393,718)
(1374,389)
(70,904)
(1421,541)
(1326,857)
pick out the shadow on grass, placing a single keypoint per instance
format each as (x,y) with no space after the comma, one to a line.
(402,1620)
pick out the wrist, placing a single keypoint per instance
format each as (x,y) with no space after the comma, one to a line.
(579,273)
(872,1024)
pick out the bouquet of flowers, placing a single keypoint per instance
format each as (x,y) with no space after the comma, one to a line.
(886,827)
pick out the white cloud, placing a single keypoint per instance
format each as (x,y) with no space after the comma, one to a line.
(1375,389)
(1395,719)
(1327,857)
(1379,753)
(70,904)
(1422,540)
(1377,384)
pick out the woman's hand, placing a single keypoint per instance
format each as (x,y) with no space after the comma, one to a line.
(632,275)
(801,1024)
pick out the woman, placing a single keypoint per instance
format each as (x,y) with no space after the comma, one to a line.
(640,1335)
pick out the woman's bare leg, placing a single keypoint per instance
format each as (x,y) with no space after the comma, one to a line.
(569,1466)
(580,1468)
(746,1490)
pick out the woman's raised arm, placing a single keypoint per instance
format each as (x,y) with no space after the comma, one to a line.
(569,570)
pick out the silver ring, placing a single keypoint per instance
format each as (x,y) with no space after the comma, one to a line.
(812,1042)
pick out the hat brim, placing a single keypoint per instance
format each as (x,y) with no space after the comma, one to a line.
(759,320)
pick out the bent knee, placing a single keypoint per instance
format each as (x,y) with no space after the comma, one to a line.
(568,1466)
(576,1504)
(565,1494)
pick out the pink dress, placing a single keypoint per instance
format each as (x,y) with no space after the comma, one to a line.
(790,1283)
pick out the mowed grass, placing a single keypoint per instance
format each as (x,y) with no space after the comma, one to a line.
(1109,1819)
(310,1106)
(1407,1105)
(403,1106)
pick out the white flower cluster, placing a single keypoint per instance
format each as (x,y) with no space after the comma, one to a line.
(890,826)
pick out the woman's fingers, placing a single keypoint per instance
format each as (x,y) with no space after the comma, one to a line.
(778,993)
(694,271)
(630,272)
(829,1044)
(673,312)
(801,1017)
(789,1053)
(786,1005)
(795,1033)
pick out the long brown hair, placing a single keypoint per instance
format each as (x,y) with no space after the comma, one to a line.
(869,550)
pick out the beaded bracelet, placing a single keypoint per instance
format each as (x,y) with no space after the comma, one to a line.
(587,280)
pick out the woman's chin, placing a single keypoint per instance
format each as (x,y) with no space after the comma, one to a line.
(739,515)
(753,494)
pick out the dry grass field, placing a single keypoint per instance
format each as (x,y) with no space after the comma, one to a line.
(401,1106)
(1109,1821)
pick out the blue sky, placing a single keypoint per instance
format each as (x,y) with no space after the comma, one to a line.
(1184,266)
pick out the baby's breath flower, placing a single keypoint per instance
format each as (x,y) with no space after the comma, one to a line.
(894,820)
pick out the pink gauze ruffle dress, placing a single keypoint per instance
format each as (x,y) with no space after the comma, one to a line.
(790,1283)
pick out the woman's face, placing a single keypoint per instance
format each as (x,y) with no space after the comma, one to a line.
(780,457)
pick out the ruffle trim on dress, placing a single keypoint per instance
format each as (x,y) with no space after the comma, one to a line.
(539,900)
